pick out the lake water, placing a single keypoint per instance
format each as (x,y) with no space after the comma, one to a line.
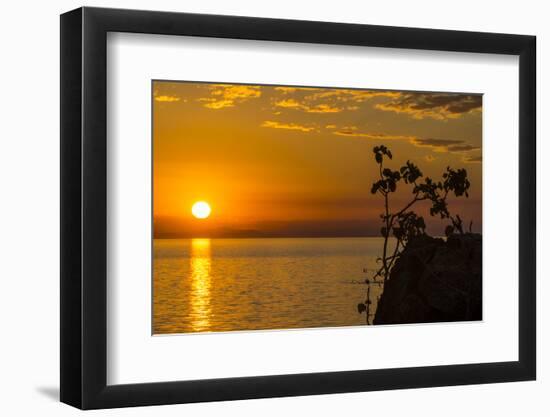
(211,285)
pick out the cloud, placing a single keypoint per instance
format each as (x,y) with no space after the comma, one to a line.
(353,132)
(317,108)
(288,126)
(456,146)
(438,106)
(340,94)
(323,108)
(327,100)
(234,92)
(462,148)
(472,159)
(445,145)
(289,90)
(288,104)
(222,96)
(167,99)
(212,103)
(437,145)
(357,96)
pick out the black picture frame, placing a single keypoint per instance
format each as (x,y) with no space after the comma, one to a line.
(84,207)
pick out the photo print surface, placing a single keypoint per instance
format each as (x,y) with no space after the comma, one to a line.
(284,207)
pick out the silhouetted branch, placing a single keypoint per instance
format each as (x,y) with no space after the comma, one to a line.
(404,224)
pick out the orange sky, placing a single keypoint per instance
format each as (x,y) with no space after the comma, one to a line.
(287,161)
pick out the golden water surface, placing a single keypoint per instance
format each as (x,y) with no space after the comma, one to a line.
(208,285)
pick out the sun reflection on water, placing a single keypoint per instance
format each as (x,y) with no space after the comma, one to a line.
(200,264)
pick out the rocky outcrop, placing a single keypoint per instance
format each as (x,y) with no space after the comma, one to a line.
(434,280)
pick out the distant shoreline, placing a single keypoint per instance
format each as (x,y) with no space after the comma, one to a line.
(273,237)
(262,237)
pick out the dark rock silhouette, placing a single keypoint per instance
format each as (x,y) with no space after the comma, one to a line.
(434,281)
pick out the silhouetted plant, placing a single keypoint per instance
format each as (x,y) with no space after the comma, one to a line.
(405,224)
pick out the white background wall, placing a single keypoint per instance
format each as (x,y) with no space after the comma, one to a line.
(29,208)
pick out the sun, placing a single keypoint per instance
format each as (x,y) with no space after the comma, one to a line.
(201,210)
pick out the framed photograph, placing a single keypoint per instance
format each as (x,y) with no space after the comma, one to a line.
(258,208)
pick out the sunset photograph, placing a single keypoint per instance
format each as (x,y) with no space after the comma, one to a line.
(291,207)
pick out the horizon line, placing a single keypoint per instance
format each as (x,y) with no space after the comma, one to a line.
(289,237)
